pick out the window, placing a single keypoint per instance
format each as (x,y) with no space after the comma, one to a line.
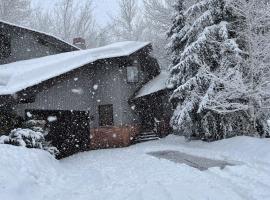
(106,115)
(132,74)
(5,46)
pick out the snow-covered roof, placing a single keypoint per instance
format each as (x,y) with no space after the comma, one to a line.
(18,76)
(155,85)
(55,38)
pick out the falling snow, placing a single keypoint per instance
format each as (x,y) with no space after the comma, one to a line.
(29,114)
(131,79)
(95,87)
(52,118)
(78,91)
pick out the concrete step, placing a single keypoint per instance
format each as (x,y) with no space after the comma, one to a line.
(147,133)
(146,140)
(146,136)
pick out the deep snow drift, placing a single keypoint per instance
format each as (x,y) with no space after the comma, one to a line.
(132,174)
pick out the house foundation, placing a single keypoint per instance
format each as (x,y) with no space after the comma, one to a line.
(113,137)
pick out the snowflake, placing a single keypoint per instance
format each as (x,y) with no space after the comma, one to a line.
(95,87)
(29,114)
(78,91)
(52,118)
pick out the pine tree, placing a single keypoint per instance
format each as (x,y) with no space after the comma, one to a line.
(256,34)
(207,60)
(175,45)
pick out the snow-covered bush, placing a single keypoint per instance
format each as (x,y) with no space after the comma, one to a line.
(37,125)
(30,139)
(26,138)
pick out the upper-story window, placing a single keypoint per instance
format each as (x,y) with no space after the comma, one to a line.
(132,74)
(5,46)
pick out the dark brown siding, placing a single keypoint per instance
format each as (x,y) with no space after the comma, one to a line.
(113,137)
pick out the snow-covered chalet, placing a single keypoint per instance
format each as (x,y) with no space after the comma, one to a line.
(105,97)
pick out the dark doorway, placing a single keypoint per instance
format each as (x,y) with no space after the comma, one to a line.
(69,131)
(150,109)
(106,115)
(155,113)
(5,46)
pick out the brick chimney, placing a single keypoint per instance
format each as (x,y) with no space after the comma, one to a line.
(79,42)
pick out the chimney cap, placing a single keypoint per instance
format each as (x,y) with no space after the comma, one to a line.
(79,42)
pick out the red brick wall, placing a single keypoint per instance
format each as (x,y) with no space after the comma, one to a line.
(112,137)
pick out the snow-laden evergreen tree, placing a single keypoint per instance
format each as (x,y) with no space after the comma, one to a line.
(256,34)
(249,88)
(176,44)
(208,58)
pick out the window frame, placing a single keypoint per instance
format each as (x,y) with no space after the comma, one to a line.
(136,76)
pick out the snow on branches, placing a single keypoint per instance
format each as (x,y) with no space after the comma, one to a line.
(216,73)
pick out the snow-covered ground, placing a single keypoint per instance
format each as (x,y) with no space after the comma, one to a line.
(132,174)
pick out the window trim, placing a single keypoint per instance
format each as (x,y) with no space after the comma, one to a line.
(137,77)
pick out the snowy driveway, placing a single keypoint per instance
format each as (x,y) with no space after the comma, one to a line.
(132,174)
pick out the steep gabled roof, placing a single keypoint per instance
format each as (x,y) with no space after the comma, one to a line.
(56,41)
(15,77)
(155,85)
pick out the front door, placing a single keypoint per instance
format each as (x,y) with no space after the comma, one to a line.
(106,115)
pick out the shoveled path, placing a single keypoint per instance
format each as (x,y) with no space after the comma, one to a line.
(193,161)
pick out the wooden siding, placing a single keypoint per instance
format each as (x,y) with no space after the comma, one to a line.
(25,45)
(77,92)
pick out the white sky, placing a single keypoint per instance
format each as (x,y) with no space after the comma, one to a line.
(102,8)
